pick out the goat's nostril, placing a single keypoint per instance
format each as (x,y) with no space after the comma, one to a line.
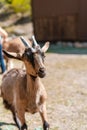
(41,70)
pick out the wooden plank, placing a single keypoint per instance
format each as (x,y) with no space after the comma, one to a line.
(60,28)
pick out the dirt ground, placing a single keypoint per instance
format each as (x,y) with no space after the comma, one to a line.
(66,85)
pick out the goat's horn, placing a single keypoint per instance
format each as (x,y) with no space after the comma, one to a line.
(34,40)
(24,41)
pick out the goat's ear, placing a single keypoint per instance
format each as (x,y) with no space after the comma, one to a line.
(45,47)
(13,55)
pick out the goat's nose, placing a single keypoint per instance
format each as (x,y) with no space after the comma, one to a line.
(42,72)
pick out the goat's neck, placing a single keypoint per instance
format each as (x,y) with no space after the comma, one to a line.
(33,93)
(32,82)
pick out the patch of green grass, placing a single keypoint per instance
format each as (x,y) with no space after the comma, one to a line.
(10,127)
(56,128)
(54,48)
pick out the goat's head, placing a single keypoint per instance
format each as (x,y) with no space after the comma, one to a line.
(33,57)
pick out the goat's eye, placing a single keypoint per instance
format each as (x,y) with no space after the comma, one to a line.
(43,55)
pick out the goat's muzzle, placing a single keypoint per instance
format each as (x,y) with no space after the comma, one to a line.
(42,72)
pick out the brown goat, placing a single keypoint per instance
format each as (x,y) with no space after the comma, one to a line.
(13,45)
(23,90)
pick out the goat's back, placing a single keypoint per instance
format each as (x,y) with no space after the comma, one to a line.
(14,45)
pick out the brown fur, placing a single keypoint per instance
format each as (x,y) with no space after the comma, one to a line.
(23,91)
(13,45)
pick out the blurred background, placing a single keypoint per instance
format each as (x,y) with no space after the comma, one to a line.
(16,17)
(64,24)
(55,21)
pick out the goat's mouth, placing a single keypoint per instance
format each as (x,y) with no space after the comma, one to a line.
(41,73)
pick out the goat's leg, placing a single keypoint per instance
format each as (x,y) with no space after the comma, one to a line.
(20,120)
(6,60)
(43,114)
(10,64)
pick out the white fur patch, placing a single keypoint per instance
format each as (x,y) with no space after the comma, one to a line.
(19,122)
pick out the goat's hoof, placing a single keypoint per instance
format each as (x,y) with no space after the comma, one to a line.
(24,127)
(46,125)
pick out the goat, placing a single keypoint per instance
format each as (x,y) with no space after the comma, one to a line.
(22,90)
(13,45)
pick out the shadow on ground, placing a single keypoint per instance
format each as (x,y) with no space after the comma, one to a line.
(8,125)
